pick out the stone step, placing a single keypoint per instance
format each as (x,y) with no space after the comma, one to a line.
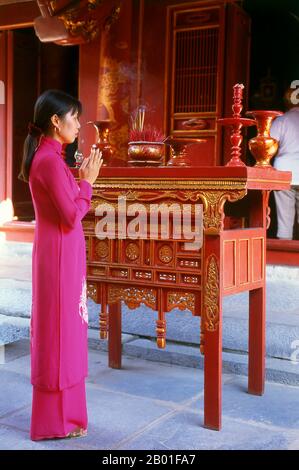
(281,334)
(277,370)
(283,371)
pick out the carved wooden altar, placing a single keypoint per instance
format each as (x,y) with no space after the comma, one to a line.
(164,274)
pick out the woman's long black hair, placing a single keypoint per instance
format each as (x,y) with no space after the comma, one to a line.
(48,103)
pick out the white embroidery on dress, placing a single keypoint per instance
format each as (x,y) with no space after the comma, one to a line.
(83,312)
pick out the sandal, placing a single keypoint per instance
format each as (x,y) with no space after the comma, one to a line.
(78,432)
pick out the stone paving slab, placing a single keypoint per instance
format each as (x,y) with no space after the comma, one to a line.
(185,431)
(152,406)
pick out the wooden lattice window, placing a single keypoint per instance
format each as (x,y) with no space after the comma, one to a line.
(195,70)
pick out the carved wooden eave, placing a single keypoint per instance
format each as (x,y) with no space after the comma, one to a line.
(71,22)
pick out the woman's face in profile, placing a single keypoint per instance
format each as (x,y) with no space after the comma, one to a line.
(69,127)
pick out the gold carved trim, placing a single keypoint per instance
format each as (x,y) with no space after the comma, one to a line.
(213,202)
(87,28)
(181,300)
(132,251)
(133,296)
(266,195)
(102,248)
(171,184)
(161,333)
(79,20)
(103,321)
(113,17)
(211,295)
(165,253)
(157,183)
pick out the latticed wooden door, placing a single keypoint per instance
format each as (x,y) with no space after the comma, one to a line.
(202,65)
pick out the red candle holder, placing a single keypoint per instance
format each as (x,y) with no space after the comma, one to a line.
(236,122)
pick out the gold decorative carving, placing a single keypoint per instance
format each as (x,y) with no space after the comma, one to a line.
(87,28)
(211,295)
(186,263)
(92,291)
(79,20)
(147,275)
(181,300)
(132,251)
(213,213)
(167,277)
(190,279)
(112,18)
(103,323)
(165,254)
(108,97)
(133,296)
(102,249)
(266,195)
(93,3)
(161,333)
(171,184)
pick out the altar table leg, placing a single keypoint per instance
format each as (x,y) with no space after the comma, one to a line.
(257,326)
(212,330)
(213,380)
(114,337)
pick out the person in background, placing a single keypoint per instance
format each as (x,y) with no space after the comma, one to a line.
(285,129)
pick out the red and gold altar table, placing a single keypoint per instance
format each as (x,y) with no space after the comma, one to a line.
(166,274)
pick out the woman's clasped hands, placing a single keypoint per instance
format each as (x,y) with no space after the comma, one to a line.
(90,168)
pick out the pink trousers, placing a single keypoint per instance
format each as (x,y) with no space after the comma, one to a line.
(56,414)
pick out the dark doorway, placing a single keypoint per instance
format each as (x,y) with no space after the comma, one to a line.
(36,67)
(274,50)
